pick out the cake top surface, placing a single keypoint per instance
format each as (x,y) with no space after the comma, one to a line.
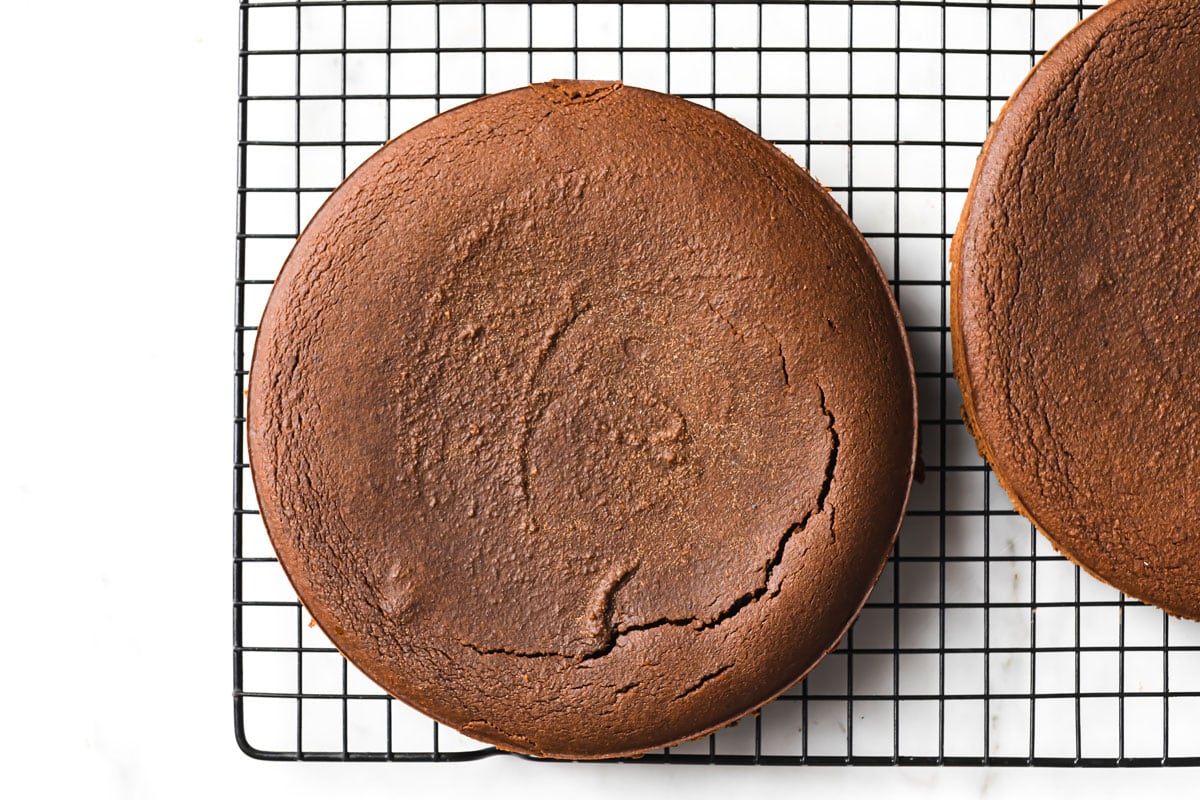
(1076,294)
(582,419)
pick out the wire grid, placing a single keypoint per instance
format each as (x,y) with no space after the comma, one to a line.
(980,645)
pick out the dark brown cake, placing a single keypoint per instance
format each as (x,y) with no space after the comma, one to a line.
(582,419)
(1076,299)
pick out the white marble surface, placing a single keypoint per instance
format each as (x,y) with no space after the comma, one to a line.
(118,212)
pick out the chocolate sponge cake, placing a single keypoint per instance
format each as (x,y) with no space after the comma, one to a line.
(1076,299)
(582,419)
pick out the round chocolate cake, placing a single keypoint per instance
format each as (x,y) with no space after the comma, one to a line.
(582,419)
(1075,298)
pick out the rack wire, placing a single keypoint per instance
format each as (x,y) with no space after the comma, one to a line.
(980,645)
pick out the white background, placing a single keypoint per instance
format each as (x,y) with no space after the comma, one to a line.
(117,140)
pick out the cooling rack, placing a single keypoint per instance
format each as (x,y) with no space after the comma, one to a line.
(980,645)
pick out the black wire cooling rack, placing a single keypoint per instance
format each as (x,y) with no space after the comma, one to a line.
(980,645)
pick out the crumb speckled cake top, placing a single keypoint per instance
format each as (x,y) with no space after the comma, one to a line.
(582,419)
(1076,299)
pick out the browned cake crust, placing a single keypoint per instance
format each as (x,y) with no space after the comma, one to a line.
(582,419)
(1075,299)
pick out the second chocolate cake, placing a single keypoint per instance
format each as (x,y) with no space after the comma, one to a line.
(582,419)
(1075,299)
